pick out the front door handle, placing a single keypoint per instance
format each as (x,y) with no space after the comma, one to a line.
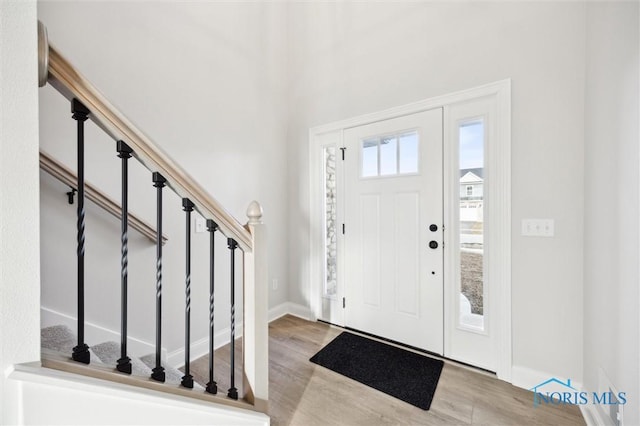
(433,244)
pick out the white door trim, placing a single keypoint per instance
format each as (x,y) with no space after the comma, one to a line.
(501,201)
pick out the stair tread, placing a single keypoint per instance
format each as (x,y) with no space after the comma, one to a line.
(172,375)
(109,353)
(60,338)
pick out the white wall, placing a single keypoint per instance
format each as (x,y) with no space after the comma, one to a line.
(203,80)
(347,59)
(19,242)
(611,209)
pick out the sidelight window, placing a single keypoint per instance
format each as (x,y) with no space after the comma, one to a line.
(330,219)
(471,163)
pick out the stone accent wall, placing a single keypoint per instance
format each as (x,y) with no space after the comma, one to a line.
(331,272)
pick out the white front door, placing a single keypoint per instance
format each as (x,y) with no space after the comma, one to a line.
(393,215)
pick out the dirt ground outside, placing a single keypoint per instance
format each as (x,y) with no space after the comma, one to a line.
(471,279)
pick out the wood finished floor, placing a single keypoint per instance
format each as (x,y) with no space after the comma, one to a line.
(302,393)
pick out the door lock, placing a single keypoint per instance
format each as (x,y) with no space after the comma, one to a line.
(433,244)
(433,227)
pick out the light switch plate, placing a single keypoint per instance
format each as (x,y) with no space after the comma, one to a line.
(538,227)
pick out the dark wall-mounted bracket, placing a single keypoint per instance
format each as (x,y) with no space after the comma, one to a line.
(70,195)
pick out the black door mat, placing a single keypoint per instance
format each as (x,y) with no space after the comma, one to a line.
(405,375)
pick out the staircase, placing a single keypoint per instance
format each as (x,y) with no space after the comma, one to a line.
(67,350)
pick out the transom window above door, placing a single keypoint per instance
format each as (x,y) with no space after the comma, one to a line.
(390,155)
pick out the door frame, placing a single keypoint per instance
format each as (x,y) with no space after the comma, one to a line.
(499,189)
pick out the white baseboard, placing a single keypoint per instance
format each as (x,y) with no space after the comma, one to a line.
(593,416)
(200,347)
(290,308)
(527,378)
(96,334)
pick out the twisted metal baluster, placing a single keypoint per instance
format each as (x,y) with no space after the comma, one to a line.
(158,372)
(187,379)
(212,386)
(124,363)
(80,114)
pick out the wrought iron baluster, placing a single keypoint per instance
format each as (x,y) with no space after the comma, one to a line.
(124,152)
(187,379)
(158,372)
(233,392)
(212,386)
(80,114)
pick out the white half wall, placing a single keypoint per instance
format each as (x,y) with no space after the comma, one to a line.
(19,205)
(57,398)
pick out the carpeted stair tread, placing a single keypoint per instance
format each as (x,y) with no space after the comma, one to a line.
(173,376)
(60,338)
(109,353)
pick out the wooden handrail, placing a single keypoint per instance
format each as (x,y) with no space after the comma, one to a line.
(69,178)
(71,84)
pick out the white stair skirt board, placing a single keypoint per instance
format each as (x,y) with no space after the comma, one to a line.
(96,334)
(57,397)
(174,359)
(200,347)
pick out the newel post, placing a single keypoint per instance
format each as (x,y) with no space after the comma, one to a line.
(256,306)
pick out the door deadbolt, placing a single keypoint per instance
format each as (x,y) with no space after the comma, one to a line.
(433,244)
(433,227)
